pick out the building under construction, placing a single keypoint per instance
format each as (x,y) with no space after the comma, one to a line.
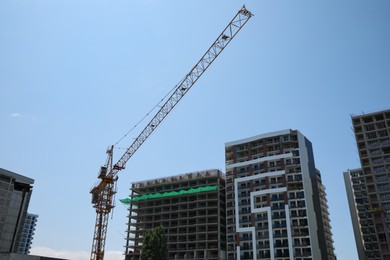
(190,207)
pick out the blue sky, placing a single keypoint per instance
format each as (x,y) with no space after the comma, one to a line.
(75,76)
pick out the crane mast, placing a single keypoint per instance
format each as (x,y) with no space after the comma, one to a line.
(103,193)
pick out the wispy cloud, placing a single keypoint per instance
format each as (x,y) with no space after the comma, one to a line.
(16,115)
(23,116)
(73,255)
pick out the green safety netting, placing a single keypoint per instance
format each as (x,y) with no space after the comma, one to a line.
(168,194)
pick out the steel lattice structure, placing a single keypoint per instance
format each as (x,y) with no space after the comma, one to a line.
(103,193)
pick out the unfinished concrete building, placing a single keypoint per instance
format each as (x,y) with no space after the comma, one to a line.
(190,207)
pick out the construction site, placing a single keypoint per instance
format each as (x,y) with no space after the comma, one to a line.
(178,130)
(274,206)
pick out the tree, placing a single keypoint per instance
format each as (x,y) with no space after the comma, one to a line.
(155,245)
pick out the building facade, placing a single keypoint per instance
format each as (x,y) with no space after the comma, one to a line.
(15,194)
(27,234)
(276,205)
(362,222)
(190,207)
(372,133)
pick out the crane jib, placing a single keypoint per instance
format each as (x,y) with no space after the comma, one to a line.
(212,53)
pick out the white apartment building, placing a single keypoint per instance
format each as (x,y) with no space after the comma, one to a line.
(275,200)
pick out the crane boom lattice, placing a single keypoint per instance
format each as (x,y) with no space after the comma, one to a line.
(103,193)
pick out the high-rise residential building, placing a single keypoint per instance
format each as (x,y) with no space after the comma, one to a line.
(372,133)
(362,222)
(276,203)
(15,193)
(27,234)
(190,207)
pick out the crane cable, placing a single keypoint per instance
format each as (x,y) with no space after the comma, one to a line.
(147,114)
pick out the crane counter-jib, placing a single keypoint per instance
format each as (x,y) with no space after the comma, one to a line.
(103,193)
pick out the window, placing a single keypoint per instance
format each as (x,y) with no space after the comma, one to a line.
(370,127)
(385,197)
(296,161)
(383,133)
(379,117)
(367,119)
(380,125)
(373,144)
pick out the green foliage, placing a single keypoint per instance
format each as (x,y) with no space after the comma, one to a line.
(155,245)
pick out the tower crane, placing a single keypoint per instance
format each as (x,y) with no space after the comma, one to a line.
(103,192)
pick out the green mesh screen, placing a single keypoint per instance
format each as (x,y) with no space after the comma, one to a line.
(168,194)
